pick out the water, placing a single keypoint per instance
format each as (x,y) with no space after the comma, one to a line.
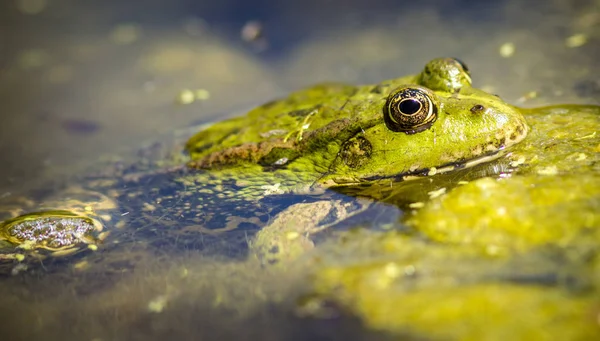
(83,81)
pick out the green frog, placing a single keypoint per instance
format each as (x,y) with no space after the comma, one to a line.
(326,136)
(334,134)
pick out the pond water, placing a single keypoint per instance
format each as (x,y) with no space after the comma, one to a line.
(92,83)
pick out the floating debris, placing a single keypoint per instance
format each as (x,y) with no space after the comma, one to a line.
(507,50)
(188,96)
(418,204)
(83,265)
(576,40)
(31,7)
(437,193)
(79,126)
(292,235)
(32,59)
(528,96)
(272,189)
(125,34)
(148,207)
(550,170)
(158,304)
(589,136)
(281,161)
(253,32)
(18,269)
(185,97)
(518,161)
(201,94)
(273,132)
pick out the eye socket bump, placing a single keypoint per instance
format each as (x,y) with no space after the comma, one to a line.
(462,65)
(410,109)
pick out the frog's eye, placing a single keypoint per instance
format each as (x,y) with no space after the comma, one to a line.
(410,109)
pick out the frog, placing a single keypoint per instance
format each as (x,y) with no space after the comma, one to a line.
(305,148)
(334,134)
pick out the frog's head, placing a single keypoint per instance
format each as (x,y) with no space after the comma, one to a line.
(438,124)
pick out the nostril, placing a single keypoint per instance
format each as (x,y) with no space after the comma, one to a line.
(478,108)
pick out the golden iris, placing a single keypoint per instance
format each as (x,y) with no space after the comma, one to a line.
(410,109)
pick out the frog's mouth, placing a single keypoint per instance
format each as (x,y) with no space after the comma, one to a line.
(444,168)
(493,150)
(420,173)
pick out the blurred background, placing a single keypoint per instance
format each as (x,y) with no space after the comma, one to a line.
(80,80)
(88,80)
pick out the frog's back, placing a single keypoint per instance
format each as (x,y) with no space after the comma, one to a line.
(289,127)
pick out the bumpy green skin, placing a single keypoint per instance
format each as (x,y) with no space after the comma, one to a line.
(320,133)
(512,257)
(445,74)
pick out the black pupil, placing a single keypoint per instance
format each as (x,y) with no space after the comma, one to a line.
(410,106)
